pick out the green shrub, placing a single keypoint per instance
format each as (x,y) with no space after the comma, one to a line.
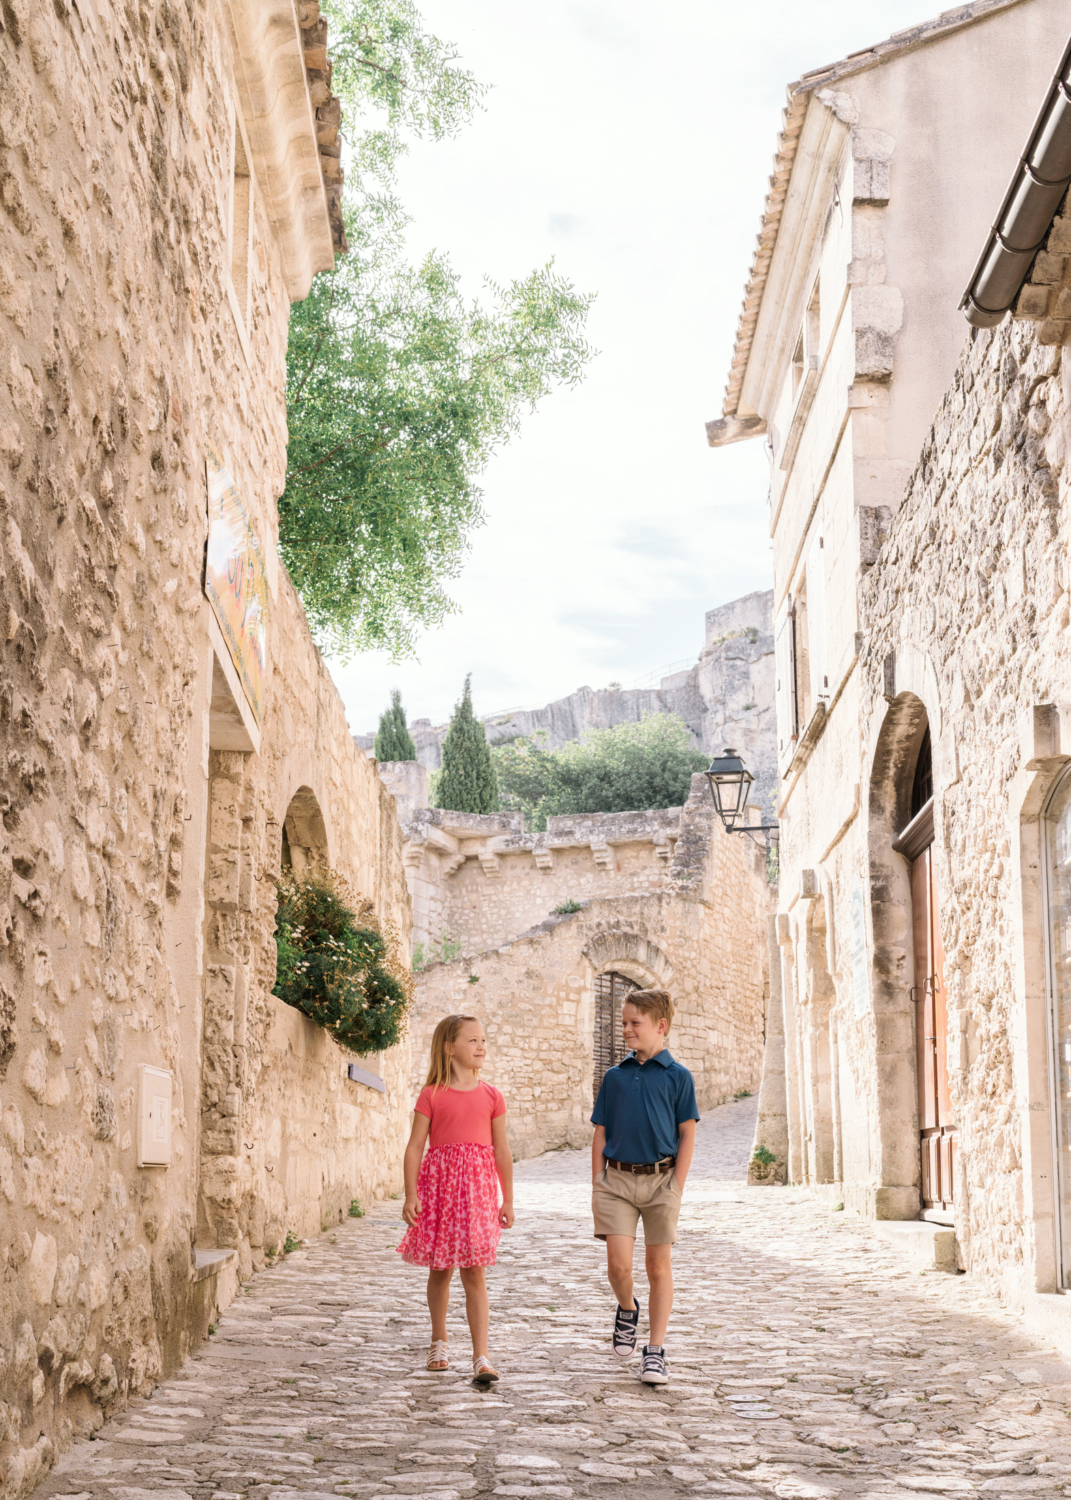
(442,952)
(356,1211)
(338,964)
(566,908)
(630,768)
(291,1243)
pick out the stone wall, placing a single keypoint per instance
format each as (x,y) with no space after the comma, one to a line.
(698,928)
(478,880)
(136,860)
(287,1139)
(966,613)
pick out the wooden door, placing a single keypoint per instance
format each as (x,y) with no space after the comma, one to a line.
(936,1131)
(610,992)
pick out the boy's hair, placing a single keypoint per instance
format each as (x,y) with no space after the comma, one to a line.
(653,1003)
(444,1035)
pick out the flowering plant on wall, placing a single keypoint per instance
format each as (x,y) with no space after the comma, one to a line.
(338,963)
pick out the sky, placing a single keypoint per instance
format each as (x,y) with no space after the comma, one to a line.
(633,144)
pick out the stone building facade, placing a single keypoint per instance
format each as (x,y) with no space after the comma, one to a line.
(169,182)
(726,698)
(661,898)
(919,1069)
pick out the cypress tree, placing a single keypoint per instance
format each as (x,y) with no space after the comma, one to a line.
(467,781)
(393,740)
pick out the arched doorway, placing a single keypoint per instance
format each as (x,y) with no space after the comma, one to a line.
(611,991)
(1056,824)
(938,1137)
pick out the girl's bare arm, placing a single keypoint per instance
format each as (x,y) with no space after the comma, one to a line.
(504,1165)
(414,1151)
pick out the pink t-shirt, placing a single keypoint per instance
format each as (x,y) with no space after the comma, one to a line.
(459,1115)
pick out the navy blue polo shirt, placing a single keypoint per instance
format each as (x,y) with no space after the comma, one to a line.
(641,1105)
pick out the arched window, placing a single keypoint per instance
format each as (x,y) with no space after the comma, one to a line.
(611,990)
(1057,825)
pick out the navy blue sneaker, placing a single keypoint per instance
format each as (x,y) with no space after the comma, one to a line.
(625,1324)
(653,1370)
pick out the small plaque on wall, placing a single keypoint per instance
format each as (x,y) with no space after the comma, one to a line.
(369,1079)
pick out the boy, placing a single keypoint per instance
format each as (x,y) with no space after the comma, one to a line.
(645,1119)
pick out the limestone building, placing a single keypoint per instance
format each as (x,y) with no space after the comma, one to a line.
(541,935)
(169,181)
(921,609)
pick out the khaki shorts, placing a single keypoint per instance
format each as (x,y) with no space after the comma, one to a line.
(620,1199)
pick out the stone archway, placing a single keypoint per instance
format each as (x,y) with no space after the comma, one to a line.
(616,955)
(631,954)
(304,833)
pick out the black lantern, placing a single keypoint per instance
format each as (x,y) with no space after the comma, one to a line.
(730,783)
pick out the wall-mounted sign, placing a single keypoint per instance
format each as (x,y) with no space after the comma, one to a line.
(860,963)
(235,580)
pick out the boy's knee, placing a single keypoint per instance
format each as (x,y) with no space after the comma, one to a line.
(659,1263)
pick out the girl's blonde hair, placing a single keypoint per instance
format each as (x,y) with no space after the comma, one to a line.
(445,1034)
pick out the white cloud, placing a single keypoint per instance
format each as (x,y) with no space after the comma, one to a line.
(612,526)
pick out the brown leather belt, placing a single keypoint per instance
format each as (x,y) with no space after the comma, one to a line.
(643,1168)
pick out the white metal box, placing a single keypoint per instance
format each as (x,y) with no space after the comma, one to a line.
(154,1116)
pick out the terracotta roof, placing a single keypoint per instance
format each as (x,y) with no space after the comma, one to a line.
(328,109)
(791,124)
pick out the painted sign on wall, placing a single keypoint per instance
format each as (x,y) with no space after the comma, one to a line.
(860,963)
(235,581)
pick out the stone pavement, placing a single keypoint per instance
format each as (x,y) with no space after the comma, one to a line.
(807,1364)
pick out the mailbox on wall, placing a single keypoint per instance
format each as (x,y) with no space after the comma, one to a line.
(154,1116)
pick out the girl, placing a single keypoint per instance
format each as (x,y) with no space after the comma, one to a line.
(452,1207)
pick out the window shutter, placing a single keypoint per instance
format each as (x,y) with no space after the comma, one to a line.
(785,684)
(816,620)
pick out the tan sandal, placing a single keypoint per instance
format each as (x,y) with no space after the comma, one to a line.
(438,1359)
(483,1369)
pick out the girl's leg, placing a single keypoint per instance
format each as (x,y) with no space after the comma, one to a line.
(477,1310)
(439,1299)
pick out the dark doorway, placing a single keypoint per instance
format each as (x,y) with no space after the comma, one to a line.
(937,1134)
(610,992)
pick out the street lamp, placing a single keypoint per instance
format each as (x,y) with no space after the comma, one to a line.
(730,785)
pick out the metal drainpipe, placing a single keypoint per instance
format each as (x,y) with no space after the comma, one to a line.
(1037,189)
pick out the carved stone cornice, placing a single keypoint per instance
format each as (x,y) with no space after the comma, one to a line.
(280,122)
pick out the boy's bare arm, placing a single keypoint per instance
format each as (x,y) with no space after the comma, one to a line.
(685,1150)
(598,1144)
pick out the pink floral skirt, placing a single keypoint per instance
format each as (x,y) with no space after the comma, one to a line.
(458,1220)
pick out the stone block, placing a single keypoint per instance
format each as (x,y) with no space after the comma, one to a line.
(41,1268)
(925,1246)
(1033,301)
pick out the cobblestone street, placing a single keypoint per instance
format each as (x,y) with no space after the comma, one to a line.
(806,1362)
